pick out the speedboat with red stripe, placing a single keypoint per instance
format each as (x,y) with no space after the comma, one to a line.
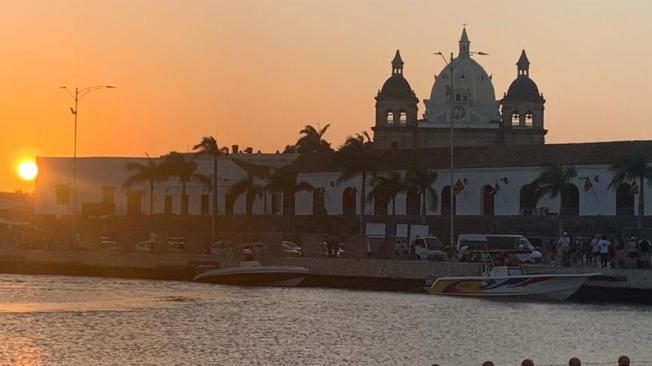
(511,282)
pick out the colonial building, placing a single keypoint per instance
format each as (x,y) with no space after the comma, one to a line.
(462,95)
(499,150)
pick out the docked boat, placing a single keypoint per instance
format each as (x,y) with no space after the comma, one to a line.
(251,273)
(511,282)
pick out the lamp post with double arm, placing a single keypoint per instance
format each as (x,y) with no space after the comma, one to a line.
(76,96)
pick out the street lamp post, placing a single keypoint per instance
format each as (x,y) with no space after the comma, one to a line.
(79,93)
(451,66)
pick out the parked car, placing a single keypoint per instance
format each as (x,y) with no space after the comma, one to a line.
(291,249)
(429,248)
(108,243)
(144,246)
(176,245)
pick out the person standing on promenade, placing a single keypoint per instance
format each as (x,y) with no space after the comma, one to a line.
(631,249)
(563,249)
(594,261)
(604,251)
(574,362)
(644,252)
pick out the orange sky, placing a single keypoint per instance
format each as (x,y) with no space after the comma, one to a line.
(254,72)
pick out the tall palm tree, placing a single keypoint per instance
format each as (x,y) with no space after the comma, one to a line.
(632,168)
(312,140)
(249,186)
(555,181)
(177,165)
(149,172)
(357,157)
(422,180)
(387,187)
(209,147)
(285,181)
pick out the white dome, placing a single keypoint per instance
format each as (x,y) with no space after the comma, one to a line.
(472,90)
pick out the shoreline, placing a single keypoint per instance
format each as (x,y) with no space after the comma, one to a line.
(623,286)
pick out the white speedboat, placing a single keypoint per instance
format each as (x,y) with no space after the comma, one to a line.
(510,282)
(251,273)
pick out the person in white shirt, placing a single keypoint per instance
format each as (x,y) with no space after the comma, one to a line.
(563,249)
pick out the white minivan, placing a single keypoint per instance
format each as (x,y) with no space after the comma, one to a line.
(517,244)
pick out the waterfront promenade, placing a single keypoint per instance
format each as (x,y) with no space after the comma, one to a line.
(372,274)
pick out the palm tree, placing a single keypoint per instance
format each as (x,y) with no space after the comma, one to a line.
(284,180)
(248,186)
(632,168)
(312,140)
(422,180)
(357,157)
(176,165)
(555,181)
(148,172)
(386,187)
(209,147)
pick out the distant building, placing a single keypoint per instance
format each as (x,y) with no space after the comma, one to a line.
(499,148)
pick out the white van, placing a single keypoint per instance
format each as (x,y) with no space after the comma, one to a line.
(429,248)
(517,244)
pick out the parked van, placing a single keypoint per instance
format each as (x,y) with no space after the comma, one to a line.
(429,248)
(519,245)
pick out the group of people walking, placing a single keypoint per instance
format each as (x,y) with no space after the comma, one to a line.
(602,251)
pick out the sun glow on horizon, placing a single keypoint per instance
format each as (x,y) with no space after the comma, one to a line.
(27,170)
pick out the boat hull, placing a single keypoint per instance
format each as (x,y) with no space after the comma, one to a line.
(257,276)
(549,287)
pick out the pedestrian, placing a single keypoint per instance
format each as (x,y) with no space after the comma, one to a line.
(595,251)
(527,362)
(644,252)
(574,362)
(623,361)
(552,250)
(631,249)
(563,249)
(604,251)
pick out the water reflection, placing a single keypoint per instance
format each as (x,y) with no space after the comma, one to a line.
(48,320)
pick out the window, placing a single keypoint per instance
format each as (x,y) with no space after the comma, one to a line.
(624,200)
(185,204)
(168,204)
(288,204)
(108,194)
(516,119)
(63,193)
(413,202)
(134,203)
(529,119)
(488,195)
(380,205)
(570,200)
(204,204)
(446,200)
(348,201)
(402,117)
(275,205)
(390,117)
(527,199)
(318,206)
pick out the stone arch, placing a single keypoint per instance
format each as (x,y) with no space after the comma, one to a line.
(488,200)
(570,200)
(527,200)
(389,117)
(380,205)
(348,201)
(529,119)
(318,201)
(624,200)
(516,118)
(445,205)
(412,202)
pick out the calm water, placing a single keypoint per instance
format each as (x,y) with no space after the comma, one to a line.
(48,320)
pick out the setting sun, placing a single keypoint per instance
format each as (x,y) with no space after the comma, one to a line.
(27,170)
